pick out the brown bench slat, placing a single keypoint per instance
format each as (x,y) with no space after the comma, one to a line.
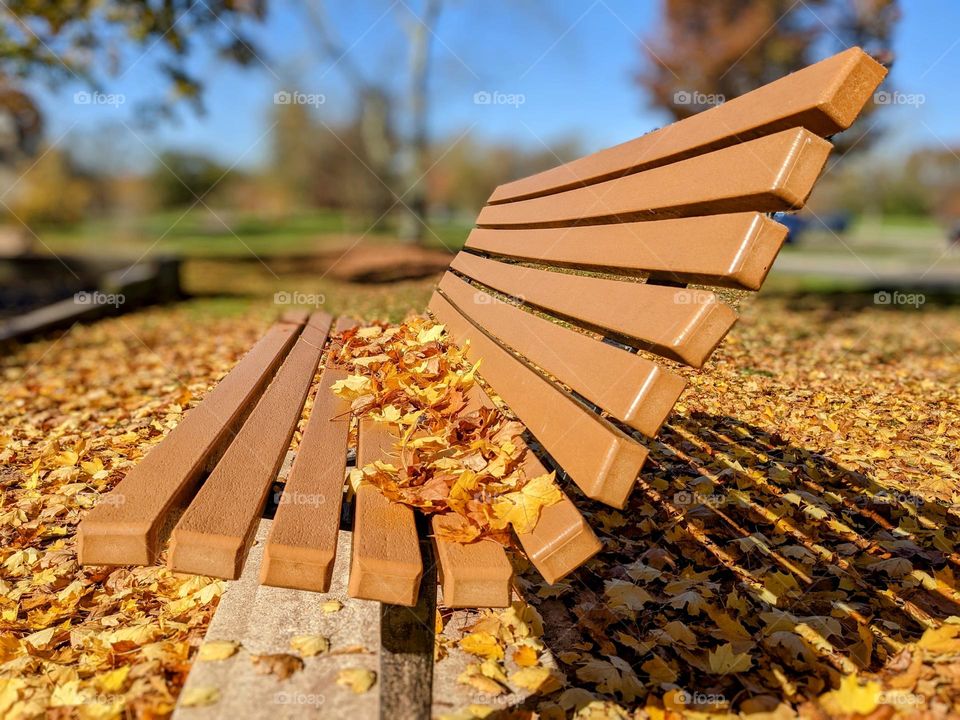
(635,390)
(678,323)
(214,534)
(771,173)
(302,544)
(562,540)
(601,459)
(734,250)
(825,98)
(477,574)
(385,563)
(127,528)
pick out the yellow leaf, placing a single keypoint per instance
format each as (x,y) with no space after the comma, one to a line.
(359,680)
(525,656)
(941,641)
(199,696)
(113,681)
(350,384)
(368,333)
(724,660)
(331,606)
(310,645)
(852,698)
(536,679)
(482,644)
(430,334)
(521,509)
(217,650)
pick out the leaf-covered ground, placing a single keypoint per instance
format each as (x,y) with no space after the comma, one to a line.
(792,544)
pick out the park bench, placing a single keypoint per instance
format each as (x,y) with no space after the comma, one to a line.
(567,277)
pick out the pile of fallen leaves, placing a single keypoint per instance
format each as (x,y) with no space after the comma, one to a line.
(76,412)
(454,456)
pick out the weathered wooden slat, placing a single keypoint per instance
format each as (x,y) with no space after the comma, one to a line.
(771,173)
(214,534)
(601,459)
(825,98)
(128,527)
(678,323)
(477,574)
(734,250)
(635,390)
(302,545)
(562,540)
(386,564)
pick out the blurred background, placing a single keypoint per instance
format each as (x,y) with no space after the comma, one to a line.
(336,153)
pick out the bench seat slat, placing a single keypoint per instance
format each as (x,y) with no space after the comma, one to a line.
(214,534)
(776,172)
(385,564)
(825,98)
(302,545)
(127,528)
(681,324)
(734,250)
(562,540)
(635,390)
(477,574)
(601,459)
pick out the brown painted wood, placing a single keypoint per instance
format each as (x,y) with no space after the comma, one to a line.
(477,574)
(681,324)
(214,534)
(771,173)
(825,98)
(635,390)
(302,544)
(735,250)
(601,459)
(128,527)
(385,564)
(562,540)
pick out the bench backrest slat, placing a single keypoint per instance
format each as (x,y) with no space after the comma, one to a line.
(771,173)
(733,251)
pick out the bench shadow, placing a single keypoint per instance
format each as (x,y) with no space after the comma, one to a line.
(737,547)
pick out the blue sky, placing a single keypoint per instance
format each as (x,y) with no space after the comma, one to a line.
(572,62)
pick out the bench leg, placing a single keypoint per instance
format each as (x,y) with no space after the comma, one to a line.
(406,653)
